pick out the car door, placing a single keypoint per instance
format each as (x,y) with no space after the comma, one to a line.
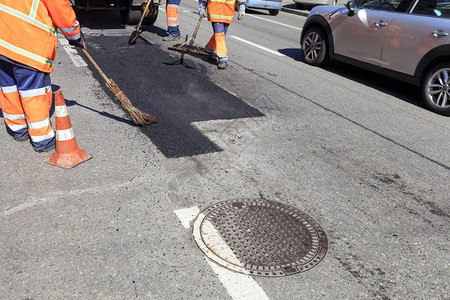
(362,35)
(411,35)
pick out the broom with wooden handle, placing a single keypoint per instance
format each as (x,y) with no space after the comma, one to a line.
(139,117)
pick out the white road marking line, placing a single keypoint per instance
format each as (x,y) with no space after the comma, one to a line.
(186,215)
(238,286)
(257,46)
(73,54)
(290,26)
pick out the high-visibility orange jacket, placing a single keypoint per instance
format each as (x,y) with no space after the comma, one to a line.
(28,30)
(221,10)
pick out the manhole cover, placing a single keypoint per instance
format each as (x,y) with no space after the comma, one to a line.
(260,237)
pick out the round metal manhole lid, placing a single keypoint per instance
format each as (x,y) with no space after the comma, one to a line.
(260,237)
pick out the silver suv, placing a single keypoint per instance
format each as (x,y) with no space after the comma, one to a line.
(405,39)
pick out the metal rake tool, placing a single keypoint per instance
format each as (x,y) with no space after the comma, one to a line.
(189,48)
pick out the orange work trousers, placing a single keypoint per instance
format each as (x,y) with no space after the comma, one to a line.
(26,99)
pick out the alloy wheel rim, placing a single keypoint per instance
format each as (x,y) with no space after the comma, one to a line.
(439,88)
(313,45)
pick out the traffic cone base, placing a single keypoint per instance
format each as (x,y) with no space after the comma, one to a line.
(68,160)
(67,154)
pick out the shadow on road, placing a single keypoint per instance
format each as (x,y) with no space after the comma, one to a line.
(399,89)
(294,53)
(99,19)
(176,95)
(402,90)
(73,103)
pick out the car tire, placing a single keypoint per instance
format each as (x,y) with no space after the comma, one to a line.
(315,46)
(274,12)
(436,89)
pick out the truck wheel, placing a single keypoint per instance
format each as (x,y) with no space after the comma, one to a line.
(151,18)
(131,15)
(436,89)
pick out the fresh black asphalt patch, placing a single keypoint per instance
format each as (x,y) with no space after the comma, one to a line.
(176,95)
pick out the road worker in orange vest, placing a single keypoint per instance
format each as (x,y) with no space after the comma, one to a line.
(172,21)
(220,13)
(28,41)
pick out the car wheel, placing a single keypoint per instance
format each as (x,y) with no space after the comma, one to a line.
(436,89)
(315,46)
(274,12)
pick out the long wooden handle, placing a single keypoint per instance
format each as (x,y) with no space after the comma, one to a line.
(195,31)
(198,26)
(145,12)
(95,64)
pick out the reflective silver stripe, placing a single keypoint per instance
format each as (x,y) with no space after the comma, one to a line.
(172,19)
(27,53)
(35,92)
(34,8)
(40,138)
(23,16)
(13,117)
(9,89)
(39,125)
(75,37)
(71,29)
(61,111)
(17,127)
(221,17)
(172,5)
(64,135)
(172,25)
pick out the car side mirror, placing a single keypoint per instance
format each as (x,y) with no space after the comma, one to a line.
(351,6)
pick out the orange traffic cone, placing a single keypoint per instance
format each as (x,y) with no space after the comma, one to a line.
(67,154)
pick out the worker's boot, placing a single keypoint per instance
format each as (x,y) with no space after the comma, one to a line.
(222,65)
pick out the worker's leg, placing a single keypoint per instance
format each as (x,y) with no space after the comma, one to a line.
(36,96)
(211,45)
(221,47)
(217,41)
(13,113)
(172,17)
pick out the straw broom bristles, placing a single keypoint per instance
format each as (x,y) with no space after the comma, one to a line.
(139,117)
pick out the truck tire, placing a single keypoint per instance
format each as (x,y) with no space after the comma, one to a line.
(151,19)
(132,15)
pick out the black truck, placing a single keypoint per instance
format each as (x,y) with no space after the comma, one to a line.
(130,10)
